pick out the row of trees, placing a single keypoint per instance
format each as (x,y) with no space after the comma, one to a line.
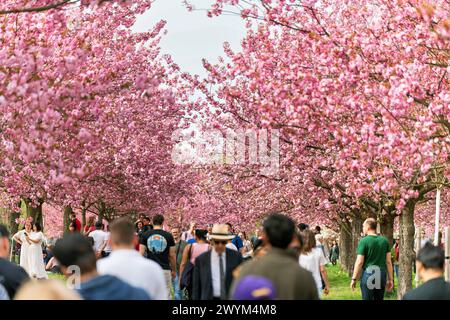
(359,91)
(87,109)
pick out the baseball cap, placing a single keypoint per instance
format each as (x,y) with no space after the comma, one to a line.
(254,288)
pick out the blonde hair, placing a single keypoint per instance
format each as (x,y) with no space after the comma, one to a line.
(45,290)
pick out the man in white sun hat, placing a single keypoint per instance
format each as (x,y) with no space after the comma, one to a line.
(213,271)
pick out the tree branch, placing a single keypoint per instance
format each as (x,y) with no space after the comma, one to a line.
(38,9)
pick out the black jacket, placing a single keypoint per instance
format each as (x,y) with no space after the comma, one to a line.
(12,276)
(202,283)
(434,289)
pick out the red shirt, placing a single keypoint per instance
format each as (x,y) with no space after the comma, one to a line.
(88,229)
(78,224)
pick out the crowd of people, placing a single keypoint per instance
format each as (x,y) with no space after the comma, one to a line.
(141,260)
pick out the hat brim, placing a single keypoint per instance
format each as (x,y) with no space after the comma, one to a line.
(220,237)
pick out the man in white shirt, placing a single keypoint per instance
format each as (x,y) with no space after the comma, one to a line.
(100,238)
(128,265)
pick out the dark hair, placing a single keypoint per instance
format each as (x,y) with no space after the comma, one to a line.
(308,241)
(38,226)
(158,220)
(318,229)
(201,234)
(137,224)
(279,230)
(431,257)
(302,226)
(146,218)
(98,225)
(372,223)
(257,244)
(4,233)
(91,240)
(75,250)
(122,231)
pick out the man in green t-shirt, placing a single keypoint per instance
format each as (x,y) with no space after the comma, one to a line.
(374,259)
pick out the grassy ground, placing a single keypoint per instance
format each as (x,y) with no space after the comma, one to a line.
(340,286)
(56,276)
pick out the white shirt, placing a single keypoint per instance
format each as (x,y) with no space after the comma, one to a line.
(99,237)
(215,271)
(108,243)
(129,266)
(186,236)
(312,262)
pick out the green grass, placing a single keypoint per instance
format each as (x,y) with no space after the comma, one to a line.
(56,276)
(340,286)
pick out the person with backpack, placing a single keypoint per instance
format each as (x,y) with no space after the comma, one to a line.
(190,253)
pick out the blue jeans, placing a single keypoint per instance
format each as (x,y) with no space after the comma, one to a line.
(396,270)
(373,283)
(176,288)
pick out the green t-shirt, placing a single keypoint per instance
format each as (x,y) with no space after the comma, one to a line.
(374,249)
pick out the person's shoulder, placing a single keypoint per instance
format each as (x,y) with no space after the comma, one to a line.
(167,234)
(384,239)
(364,239)
(233,253)
(317,251)
(303,274)
(147,233)
(247,267)
(203,257)
(139,294)
(414,294)
(6,266)
(148,263)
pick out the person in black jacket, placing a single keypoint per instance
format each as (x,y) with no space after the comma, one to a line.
(430,266)
(11,275)
(213,271)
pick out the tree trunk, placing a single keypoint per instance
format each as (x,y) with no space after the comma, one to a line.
(356,236)
(14,227)
(34,212)
(406,250)
(67,212)
(345,239)
(101,211)
(387,227)
(83,217)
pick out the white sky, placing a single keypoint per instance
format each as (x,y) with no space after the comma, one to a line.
(192,35)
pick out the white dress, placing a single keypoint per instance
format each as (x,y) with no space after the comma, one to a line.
(24,250)
(35,257)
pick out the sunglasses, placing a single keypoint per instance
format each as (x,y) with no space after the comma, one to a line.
(223,242)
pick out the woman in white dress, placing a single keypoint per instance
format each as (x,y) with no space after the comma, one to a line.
(22,237)
(35,256)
